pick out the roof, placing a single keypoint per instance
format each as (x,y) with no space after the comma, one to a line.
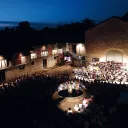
(116,20)
(38,46)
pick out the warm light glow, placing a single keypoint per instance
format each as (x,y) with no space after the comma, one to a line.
(45,53)
(125,60)
(70,89)
(3,63)
(31,52)
(79,45)
(21,55)
(43,48)
(33,55)
(80,49)
(23,60)
(54,52)
(1,57)
(59,51)
(103,59)
(67,47)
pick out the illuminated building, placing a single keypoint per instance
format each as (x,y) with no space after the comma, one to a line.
(108,41)
(42,57)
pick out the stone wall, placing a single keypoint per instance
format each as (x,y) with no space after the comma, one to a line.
(29,69)
(76,63)
(51,61)
(110,35)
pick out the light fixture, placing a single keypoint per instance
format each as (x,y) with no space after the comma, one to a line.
(1,57)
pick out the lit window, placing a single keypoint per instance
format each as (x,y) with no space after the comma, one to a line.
(23,60)
(45,53)
(67,59)
(33,55)
(3,63)
(60,51)
(54,52)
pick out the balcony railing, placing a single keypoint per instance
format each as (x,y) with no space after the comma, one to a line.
(75,56)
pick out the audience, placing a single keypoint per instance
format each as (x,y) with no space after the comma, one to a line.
(26,101)
(107,72)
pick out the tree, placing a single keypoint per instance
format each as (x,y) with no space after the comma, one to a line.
(7,29)
(24,26)
(125,17)
(88,22)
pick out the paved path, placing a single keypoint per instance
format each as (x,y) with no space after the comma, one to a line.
(60,69)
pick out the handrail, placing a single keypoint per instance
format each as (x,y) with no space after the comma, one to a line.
(75,56)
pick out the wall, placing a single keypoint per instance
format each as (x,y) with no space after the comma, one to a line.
(29,69)
(18,58)
(110,35)
(76,63)
(49,49)
(3,64)
(14,72)
(80,49)
(51,61)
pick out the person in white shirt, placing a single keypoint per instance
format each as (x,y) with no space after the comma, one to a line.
(85,103)
(76,108)
(80,106)
(69,111)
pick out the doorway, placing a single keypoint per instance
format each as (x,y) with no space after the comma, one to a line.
(115,56)
(44,63)
(74,48)
(2,75)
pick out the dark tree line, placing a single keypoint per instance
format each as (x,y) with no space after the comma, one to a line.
(23,37)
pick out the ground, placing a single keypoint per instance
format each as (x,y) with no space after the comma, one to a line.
(67,103)
(118,119)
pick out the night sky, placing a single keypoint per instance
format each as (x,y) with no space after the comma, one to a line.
(52,11)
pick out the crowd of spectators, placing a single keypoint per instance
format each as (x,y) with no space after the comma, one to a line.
(28,98)
(26,101)
(107,72)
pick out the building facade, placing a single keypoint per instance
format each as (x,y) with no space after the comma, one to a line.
(107,41)
(41,57)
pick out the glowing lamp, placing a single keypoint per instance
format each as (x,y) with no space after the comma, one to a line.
(1,57)
(69,89)
(43,48)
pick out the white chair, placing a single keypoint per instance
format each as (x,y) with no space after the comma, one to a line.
(76,108)
(80,106)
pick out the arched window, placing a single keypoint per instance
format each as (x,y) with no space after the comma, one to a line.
(114,55)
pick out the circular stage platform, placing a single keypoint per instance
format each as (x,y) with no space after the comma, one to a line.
(67,101)
(75,93)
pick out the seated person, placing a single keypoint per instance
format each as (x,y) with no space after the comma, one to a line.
(85,103)
(76,108)
(69,111)
(80,106)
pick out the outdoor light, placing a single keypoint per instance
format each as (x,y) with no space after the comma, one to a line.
(70,89)
(43,48)
(21,54)
(102,59)
(31,52)
(1,57)
(79,47)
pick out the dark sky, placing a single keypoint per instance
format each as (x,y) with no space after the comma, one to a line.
(52,11)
